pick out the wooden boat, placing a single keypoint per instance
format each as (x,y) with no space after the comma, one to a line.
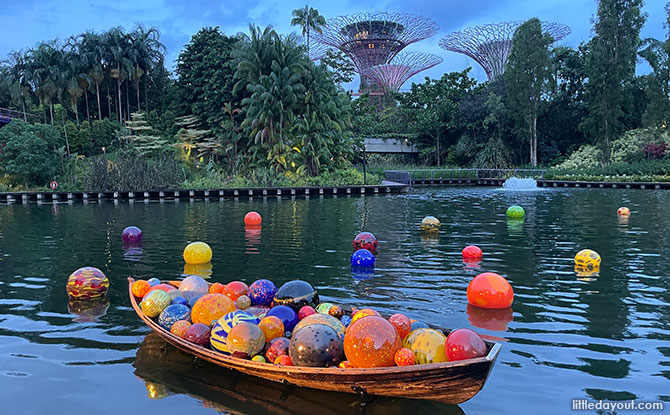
(448,382)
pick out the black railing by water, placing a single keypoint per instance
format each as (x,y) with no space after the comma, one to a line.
(412,175)
(7,115)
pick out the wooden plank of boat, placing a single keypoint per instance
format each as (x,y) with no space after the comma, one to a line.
(448,382)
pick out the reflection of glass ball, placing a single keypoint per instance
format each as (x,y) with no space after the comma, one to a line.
(131,235)
(155,302)
(588,259)
(427,345)
(490,290)
(371,342)
(296,294)
(262,292)
(365,240)
(490,319)
(515,212)
(89,309)
(211,307)
(87,282)
(245,340)
(324,319)
(197,253)
(464,344)
(173,313)
(430,224)
(362,258)
(286,314)
(316,345)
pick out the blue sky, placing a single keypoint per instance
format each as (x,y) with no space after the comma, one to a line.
(26,22)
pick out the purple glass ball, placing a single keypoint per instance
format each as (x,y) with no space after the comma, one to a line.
(262,292)
(132,235)
(286,314)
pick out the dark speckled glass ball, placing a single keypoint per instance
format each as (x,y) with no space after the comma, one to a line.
(316,345)
(297,294)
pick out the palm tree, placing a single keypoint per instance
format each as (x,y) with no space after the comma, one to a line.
(309,19)
(146,50)
(117,47)
(90,44)
(46,74)
(17,78)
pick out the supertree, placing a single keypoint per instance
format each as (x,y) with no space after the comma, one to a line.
(371,39)
(390,76)
(490,44)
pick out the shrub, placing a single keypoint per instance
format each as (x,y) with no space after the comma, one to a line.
(587,156)
(27,152)
(131,171)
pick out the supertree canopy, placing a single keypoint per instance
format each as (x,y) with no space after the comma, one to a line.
(371,39)
(491,44)
(390,76)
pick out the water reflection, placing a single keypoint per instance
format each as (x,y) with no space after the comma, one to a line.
(199,270)
(252,239)
(132,252)
(88,310)
(166,371)
(362,273)
(586,274)
(515,227)
(490,319)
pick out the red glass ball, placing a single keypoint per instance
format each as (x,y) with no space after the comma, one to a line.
(490,290)
(404,357)
(472,253)
(306,311)
(365,240)
(235,289)
(252,219)
(402,323)
(464,344)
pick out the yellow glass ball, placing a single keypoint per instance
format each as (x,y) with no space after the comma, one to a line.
(587,259)
(623,211)
(197,253)
(430,224)
(427,344)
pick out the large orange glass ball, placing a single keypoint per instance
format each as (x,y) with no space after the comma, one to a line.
(490,290)
(140,288)
(211,307)
(272,327)
(363,312)
(252,219)
(87,282)
(197,253)
(371,342)
(235,289)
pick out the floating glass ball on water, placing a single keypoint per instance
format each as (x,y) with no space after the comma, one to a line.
(515,212)
(365,240)
(430,224)
(362,258)
(197,253)
(253,219)
(623,211)
(87,282)
(472,253)
(588,260)
(132,235)
(316,345)
(296,294)
(490,290)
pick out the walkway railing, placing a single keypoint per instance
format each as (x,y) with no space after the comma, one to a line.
(412,175)
(11,114)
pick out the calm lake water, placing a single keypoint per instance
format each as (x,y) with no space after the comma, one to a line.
(569,337)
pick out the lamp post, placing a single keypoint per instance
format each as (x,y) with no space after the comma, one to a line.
(365,165)
(104,157)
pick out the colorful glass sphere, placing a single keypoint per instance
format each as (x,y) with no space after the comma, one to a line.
(225,324)
(323,308)
(363,312)
(296,294)
(257,310)
(245,340)
(132,235)
(272,327)
(243,302)
(464,344)
(362,258)
(286,314)
(427,346)
(371,342)
(401,323)
(316,345)
(366,240)
(198,333)
(623,211)
(262,292)
(324,319)
(172,314)
(252,219)
(305,311)
(153,281)
(472,253)
(191,301)
(235,289)
(211,307)
(418,325)
(162,287)
(515,212)
(283,360)
(155,302)
(345,365)
(87,282)
(490,290)
(216,288)
(193,285)
(346,320)
(277,347)
(179,328)
(336,311)
(430,224)
(140,288)
(197,253)
(588,259)
(258,358)
(404,357)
